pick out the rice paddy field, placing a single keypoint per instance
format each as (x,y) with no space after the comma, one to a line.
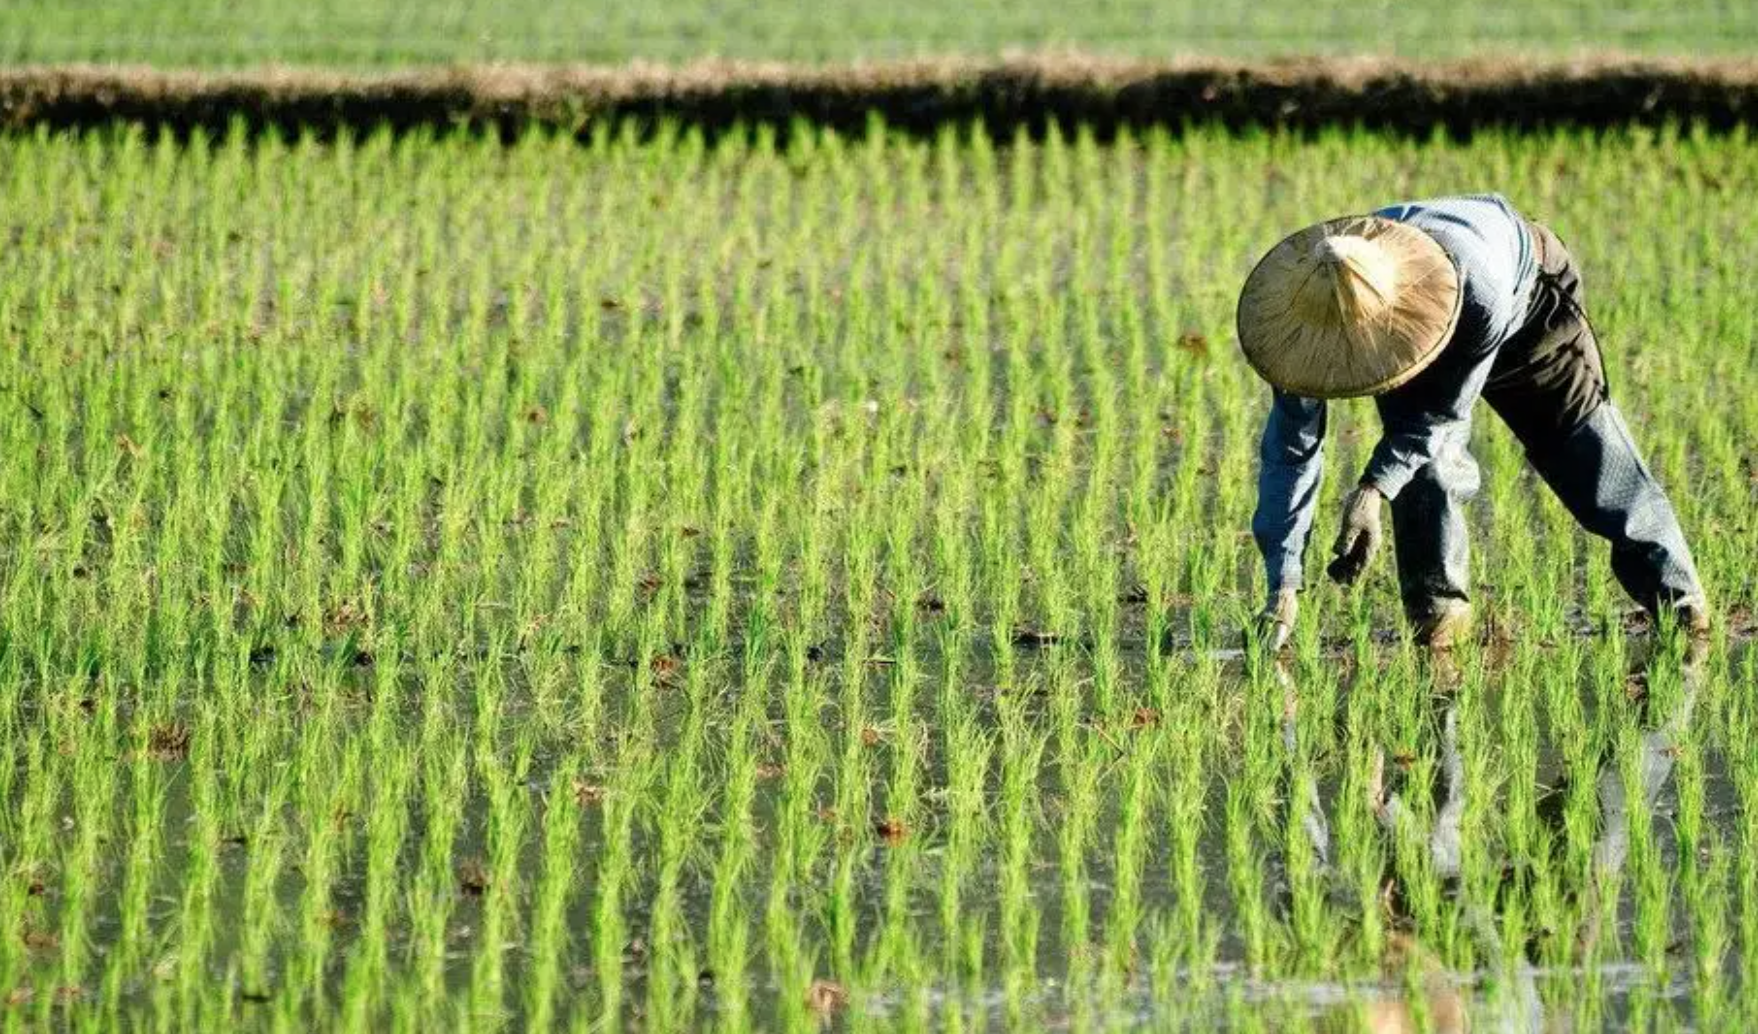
(654,583)
(378,33)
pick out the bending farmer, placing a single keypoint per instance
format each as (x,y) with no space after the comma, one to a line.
(1426,306)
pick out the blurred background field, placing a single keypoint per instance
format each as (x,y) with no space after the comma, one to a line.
(384,33)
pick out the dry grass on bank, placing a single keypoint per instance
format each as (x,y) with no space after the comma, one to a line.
(1104,94)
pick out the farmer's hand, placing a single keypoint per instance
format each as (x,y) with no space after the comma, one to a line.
(1275,623)
(1360,537)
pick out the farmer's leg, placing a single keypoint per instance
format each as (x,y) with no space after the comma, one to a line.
(1549,386)
(1599,475)
(1431,541)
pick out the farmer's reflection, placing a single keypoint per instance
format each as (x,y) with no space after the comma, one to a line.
(1443,1004)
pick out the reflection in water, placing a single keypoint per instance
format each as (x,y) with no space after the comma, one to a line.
(1654,762)
(1443,1006)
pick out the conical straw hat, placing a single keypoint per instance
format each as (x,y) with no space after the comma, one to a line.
(1349,307)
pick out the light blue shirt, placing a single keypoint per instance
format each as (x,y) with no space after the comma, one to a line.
(1492,248)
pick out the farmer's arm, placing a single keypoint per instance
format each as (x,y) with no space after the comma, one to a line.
(1422,419)
(1291,457)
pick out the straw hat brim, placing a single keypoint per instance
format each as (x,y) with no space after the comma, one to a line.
(1346,359)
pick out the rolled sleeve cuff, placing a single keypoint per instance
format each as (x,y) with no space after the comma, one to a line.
(1388,482)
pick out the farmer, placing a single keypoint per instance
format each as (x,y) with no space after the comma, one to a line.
(1427,306)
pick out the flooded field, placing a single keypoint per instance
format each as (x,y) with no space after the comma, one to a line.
(663,585)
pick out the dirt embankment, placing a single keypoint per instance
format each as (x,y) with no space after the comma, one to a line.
(918,96)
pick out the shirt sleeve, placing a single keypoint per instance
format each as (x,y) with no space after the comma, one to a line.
(1421,422)
(1291,461)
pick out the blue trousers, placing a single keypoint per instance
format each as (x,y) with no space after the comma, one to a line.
(1549,386)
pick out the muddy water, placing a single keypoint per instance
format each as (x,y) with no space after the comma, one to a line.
(1056,953)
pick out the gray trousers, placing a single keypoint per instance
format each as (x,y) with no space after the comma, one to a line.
(1548,385)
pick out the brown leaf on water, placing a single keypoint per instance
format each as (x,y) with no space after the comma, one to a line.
(587,792)
(826,996)
(67,993)
(892,830)
(345,615)
(665,668)
(1195,343)
(168,741)
(770,770)
(39,940)
(1143,717)
(869,736)
(364,416)
(1033,637)
(20,995)
(473,877)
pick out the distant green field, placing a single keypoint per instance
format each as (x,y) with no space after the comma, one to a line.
(667,586)
(370,33)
